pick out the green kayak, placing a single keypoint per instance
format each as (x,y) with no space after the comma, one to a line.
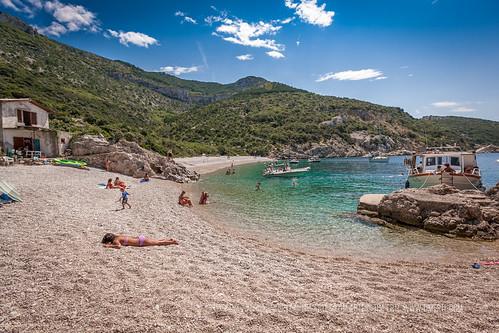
(70,163)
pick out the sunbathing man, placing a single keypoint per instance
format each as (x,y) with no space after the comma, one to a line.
(119,183)
(117,241)
(184,200)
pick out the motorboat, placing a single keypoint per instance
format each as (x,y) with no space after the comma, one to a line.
(314,159)
(280,170)
(379,159)
(444,165)
(294,161)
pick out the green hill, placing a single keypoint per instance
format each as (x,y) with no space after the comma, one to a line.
(92,94)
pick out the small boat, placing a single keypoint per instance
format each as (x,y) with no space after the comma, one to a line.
(379,159)
(281,171)
(444,165)
(294,161)
(314,159)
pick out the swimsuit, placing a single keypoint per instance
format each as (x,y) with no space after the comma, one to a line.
(141,240)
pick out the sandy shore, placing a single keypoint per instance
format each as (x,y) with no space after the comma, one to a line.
(57,277)
(208,164)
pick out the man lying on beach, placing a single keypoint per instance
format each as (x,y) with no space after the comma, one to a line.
(117,241)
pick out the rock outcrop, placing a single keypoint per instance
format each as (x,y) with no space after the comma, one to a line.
(128,158)
(441,209)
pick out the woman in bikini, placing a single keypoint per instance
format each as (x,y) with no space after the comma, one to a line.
(117,241)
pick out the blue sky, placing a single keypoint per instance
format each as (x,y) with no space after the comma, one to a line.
(437,57)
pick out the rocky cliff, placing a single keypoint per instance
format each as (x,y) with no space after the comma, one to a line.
(128,158)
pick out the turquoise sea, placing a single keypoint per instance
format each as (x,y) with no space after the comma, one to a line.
(315,211)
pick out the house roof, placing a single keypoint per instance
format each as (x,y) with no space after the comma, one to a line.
(9,100)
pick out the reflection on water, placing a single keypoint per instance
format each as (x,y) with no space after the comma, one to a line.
(315,211)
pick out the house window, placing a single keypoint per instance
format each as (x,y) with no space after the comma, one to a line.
(430,161)
(26,117)
(454,161)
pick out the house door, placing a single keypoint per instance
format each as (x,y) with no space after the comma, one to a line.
(36,145)
(18,143)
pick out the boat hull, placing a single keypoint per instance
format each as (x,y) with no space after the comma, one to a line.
(284,173)
(460,181)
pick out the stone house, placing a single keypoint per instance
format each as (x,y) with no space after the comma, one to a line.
(24,126)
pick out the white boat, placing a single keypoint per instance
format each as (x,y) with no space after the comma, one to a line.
(379,159)
(444,165)
(314,159)
(283,171)
(294,161)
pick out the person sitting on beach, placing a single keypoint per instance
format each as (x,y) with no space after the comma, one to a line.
(109,185)
(145,179)
(184,200)
(204,198)
(124,198)
(448,168)
(117,241)
(119,183)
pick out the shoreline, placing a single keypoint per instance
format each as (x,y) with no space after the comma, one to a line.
(60,278)
(208,164)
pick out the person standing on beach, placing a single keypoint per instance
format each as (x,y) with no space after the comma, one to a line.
(124,198)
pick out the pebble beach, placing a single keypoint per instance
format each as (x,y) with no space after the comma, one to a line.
(57,277)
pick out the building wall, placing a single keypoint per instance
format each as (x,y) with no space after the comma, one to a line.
(48,140)
(9,114)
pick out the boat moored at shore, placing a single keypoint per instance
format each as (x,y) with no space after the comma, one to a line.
(444,165)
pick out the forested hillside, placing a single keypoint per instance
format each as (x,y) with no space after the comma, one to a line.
(92,94)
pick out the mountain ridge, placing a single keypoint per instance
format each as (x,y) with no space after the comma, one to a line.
(162,112)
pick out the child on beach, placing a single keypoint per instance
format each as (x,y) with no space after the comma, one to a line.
(117,241)
(184,200)
(124,198)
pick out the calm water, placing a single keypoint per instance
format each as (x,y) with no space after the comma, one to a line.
(317,212)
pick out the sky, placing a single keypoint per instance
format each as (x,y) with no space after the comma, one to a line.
(429,57)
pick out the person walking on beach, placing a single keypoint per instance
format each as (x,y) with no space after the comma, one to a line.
(124,198)
(117,241)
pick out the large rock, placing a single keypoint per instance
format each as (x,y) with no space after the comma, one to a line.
(128,158)
(443,209)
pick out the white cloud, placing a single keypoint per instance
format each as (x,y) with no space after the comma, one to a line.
(240,32)
(24,6)
(454,106)
(131,37)
(185,18)
(54,29)
(245,57)
(275,54)
(178,70)
(445,104)
(311,13)
(351,75)
(288,20)
(73,17)
(463,109)
(381,78)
